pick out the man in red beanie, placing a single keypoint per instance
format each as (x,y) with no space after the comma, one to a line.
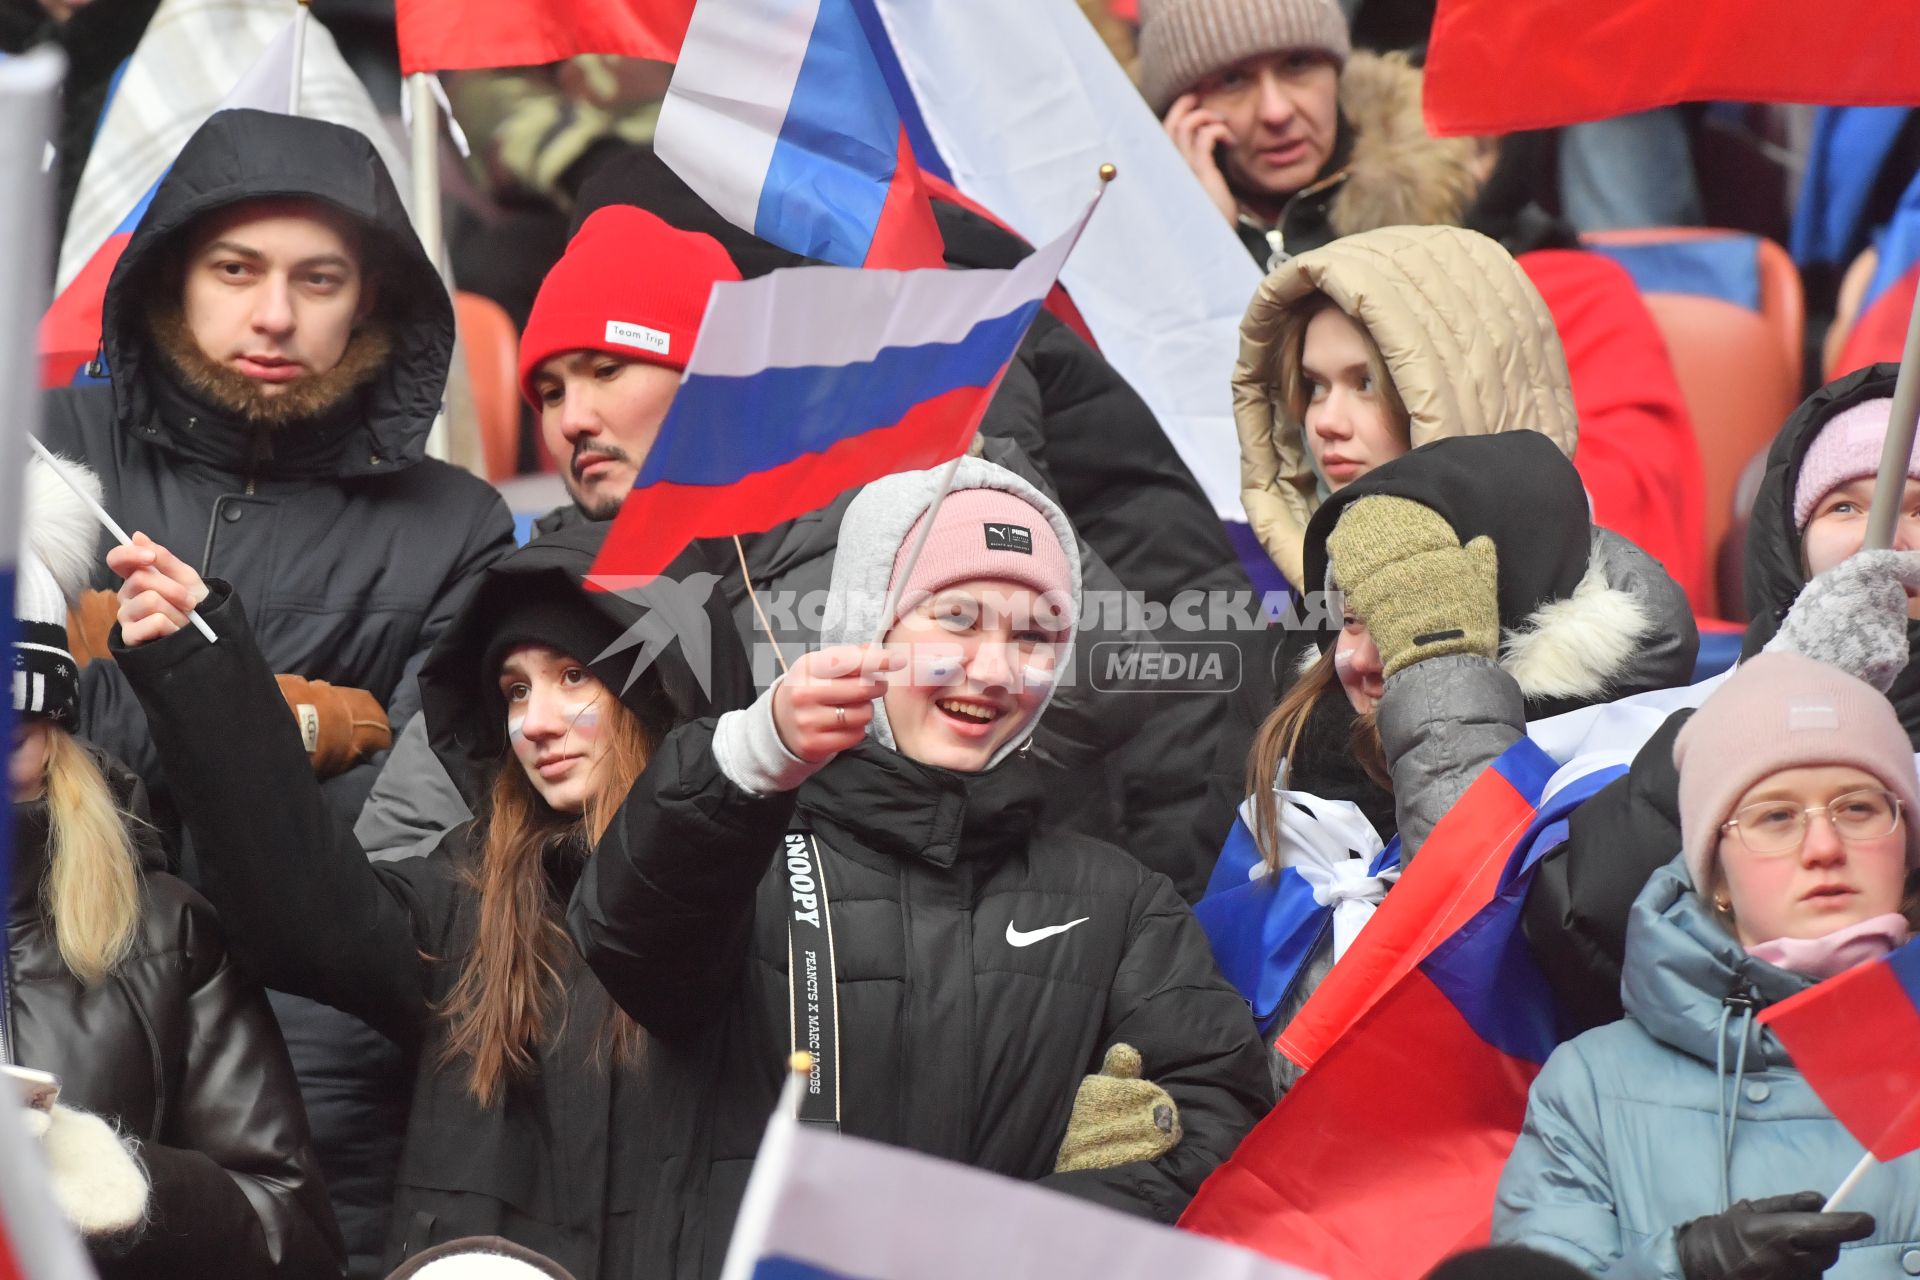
(607,341)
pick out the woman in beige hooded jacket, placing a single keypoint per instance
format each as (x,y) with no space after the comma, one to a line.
(1463,339)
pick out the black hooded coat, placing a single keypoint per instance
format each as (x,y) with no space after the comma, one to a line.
(564,1162)
(351,548)
(1577,907)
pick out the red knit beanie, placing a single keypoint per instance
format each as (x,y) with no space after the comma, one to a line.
(629,284)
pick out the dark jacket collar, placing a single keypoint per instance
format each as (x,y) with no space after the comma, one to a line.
(878,799)
(189,425)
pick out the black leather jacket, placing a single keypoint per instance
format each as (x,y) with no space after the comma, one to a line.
(177,1048)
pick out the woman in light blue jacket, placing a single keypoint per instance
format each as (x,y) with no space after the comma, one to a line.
(1680,1142)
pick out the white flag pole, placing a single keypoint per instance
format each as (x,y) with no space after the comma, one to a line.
(112,525)
(1898,445)
(423,115)
(300,19)
(769,1173)
(1847,1184)
(29,88)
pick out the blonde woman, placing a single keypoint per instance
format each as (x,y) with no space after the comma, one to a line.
(178,1146)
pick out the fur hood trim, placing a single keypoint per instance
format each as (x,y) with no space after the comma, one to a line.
(1399,174)
(1577,647)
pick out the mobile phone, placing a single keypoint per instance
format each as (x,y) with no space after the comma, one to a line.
(36,1089)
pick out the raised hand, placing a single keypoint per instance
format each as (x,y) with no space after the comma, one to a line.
(825,703)
(157,592)
(1195,133)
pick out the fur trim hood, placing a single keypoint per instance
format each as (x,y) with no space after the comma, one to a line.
(1469,342)
(1398,174)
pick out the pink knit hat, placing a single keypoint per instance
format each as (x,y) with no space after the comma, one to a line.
(986,533)
(1847,449)
(1782,711)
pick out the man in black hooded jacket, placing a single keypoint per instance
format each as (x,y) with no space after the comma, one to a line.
(1577,906)
(278,342)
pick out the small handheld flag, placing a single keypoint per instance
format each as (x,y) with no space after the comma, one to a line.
(1856,1038)
(811,381)
(820,1206)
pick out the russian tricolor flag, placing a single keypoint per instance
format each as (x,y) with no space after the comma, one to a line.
(70,330)
(791,119)
(1856,1038)
(1422,1045)
(812,381)
(822,1206)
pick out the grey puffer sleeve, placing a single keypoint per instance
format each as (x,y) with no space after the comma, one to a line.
(1442,721)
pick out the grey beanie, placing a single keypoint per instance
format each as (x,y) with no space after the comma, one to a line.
(1184,41)
(878,521)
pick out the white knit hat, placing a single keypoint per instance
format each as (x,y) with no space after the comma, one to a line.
(58,552)
(1182,42)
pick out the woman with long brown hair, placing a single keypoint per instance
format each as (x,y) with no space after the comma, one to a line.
(533,1099)
(1474,595)
(177,1146)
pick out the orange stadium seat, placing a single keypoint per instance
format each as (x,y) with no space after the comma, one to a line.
(1739,387)
(492,348)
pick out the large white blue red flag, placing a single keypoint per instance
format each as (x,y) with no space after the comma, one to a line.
(814,380)
(783,117)
(814,124)
(821,1206)
(1439,993)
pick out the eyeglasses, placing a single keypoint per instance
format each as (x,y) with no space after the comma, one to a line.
(1774,826)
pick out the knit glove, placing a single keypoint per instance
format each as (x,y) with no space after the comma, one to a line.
(97,1180)
(90,619)
(1854,616)
(1405,574)
(1118,1118)
(339,726)
(1779,1238)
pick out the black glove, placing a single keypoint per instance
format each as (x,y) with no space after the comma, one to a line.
(1779,1238)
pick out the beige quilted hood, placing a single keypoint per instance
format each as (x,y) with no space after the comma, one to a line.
(1471,347)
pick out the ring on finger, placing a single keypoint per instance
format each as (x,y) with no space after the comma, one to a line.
(839,717)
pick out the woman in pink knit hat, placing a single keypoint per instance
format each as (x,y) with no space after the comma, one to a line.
(1809,589)
(852,866)
(1682,1142)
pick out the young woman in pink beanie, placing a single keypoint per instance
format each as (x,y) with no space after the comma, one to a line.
(1810,589)
(853,866)
(1681,1142)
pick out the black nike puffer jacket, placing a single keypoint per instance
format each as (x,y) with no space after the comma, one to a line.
(968,1016)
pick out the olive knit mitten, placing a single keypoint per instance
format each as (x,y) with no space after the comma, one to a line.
(339,726)
(1118,1118)
(1419,592)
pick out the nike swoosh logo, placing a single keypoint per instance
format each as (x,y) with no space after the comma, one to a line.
(1015,938)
